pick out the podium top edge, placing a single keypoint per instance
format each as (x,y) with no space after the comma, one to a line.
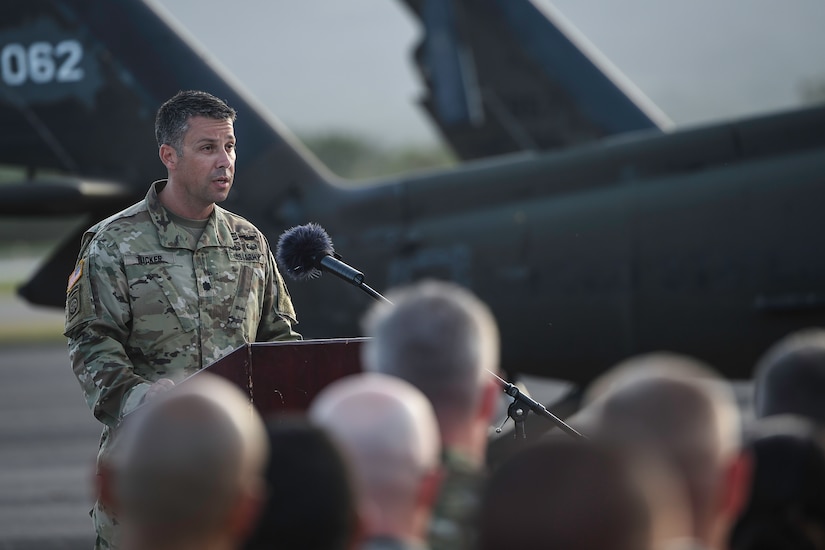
(313,342)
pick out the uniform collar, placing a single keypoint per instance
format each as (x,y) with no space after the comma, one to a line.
(456,460)
(216,232)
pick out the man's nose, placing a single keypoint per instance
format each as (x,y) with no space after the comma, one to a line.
(225,159)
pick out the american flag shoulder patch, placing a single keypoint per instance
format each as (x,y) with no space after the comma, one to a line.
(75,276)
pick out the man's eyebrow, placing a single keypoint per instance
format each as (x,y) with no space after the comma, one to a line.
(213,140)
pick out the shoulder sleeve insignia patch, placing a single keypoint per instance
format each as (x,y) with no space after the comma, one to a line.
(75,276)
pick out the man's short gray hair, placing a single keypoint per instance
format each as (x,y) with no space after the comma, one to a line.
(439,337)
(172,120)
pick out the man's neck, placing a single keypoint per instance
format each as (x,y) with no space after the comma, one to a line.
(391,523)
(176,204)
(466,442)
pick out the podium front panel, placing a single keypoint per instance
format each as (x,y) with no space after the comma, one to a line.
(286,376)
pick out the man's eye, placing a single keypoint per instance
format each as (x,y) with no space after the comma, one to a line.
(206,148)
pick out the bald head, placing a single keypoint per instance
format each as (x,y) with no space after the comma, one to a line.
(671,401)
(678,409)
(439,337)
(184,461)
(387,429)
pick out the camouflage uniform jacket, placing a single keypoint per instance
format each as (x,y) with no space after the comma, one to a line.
(453,521)
(143,305)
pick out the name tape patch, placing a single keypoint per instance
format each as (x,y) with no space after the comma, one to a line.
(150,258)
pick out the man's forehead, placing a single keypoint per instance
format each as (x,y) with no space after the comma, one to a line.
(200,127)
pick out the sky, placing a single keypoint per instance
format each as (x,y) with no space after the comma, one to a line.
(345,65)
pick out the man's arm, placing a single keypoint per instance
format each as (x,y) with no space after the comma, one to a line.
(98,321)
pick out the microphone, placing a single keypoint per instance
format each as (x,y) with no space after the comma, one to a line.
(305,251)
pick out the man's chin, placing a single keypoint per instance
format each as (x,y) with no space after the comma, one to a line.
(220,197)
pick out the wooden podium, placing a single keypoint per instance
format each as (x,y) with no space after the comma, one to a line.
(286,376)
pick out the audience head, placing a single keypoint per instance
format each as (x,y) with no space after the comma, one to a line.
(678,409)
(786,505)
(564,493)
(442,339)
(790,377)
(387,430)
(310,498)
(186,468)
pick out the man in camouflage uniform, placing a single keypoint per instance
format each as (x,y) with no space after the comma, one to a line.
(174,282)
(443,340)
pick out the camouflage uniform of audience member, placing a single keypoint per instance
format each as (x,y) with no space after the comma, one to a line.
(148,300)
(453,520)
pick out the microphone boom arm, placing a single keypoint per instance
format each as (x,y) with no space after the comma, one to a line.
(517,395)
(349,274)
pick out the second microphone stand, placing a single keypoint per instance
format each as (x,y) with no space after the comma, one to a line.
(522,404)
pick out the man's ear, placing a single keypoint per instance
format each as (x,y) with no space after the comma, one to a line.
(489,398)
(430,486)
(168,156)
(247,510)
(738,478)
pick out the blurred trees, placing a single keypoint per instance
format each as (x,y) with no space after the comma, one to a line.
(356,157)
(348,155)
(812,90)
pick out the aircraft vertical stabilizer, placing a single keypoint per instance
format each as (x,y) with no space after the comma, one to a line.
(80,83)
(506,76)
(81,80)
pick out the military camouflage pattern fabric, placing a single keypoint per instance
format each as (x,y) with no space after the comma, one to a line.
(144,302)
(452,524)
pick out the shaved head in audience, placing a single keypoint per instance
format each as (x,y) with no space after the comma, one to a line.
(388,431)
(187,469)
(678,409)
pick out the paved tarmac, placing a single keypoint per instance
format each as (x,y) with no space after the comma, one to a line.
(48,437)
(48,441)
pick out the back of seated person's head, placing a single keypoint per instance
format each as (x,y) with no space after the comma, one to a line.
(790,377)
(564,493)
(189,466)
(310,498)
(388,433)
(680,409)
(786,505)
(442,339)
(668,400)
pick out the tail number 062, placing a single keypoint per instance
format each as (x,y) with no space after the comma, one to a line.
(41,62)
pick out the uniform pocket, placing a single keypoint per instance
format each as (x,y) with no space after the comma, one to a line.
(162,294)
(244,297)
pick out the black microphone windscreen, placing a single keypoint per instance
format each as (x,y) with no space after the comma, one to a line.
(300,249)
